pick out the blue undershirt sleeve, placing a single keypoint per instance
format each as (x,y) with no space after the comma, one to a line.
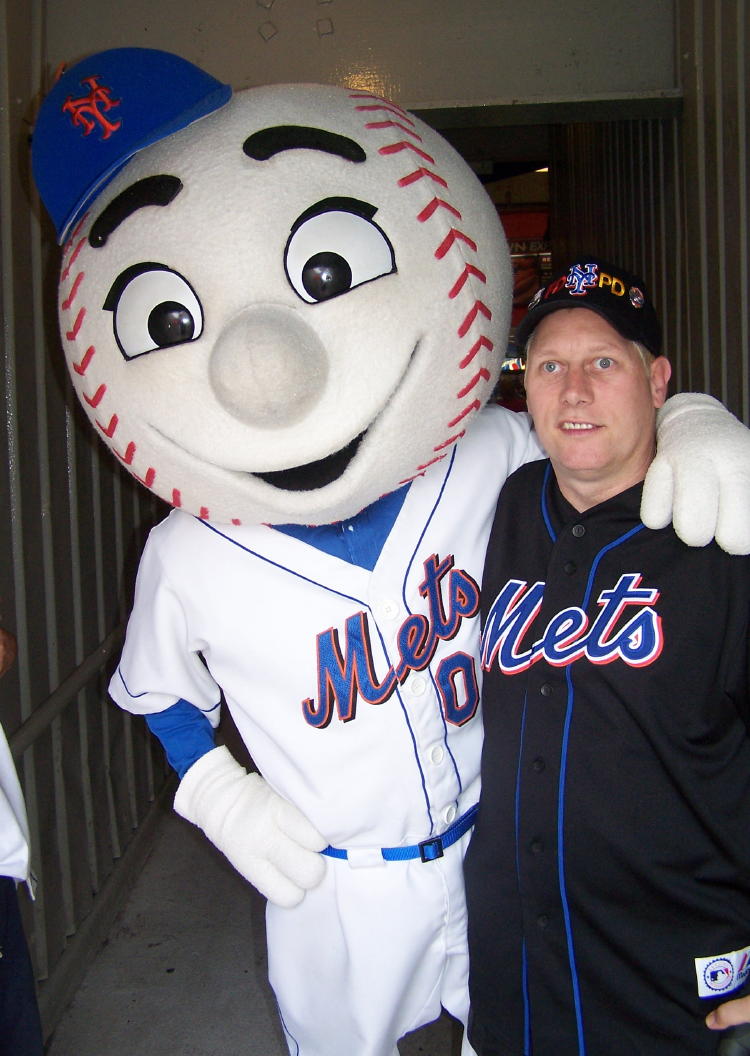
(185,734)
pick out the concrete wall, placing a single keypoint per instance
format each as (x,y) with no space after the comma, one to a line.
(421,53)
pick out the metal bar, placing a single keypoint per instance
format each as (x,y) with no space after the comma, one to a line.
(702,183)
(676,264)
(84,769)
(88,799)
(44,715)
(61,823)
(15,503)
(660,261)
(719,309)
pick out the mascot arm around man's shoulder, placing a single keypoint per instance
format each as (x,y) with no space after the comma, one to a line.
(700,477)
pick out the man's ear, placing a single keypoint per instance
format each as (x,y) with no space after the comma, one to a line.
(660,373)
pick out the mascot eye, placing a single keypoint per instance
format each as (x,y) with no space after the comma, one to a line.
(332,250)
(153,308)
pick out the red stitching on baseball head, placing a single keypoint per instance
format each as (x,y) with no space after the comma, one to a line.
(482,342)
(109,430)
(96,399)
(73,334)
(83,365)
(76,251)
(74,290)
(421,174)
(426,465)
(374,125)
(455,239)
(451,440)
(389,109)
(148,480)
(481,374)
(396,148)
(453,236)
(74,233)
(477,308)
(127,458)
(460,282)
(475,405)
(379,102)
(431,207)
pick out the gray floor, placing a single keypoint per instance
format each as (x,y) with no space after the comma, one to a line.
(183,972)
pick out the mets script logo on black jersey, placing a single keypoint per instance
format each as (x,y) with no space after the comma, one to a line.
(347,671)
(617,633)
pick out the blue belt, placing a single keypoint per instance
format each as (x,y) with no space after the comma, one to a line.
(427,850)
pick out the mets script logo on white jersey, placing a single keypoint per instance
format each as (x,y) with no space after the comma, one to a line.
(617,633)
(347,671)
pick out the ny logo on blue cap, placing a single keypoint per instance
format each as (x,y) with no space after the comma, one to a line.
(131,98)
(86,111)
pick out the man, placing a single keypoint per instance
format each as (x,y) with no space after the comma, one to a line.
(608,878)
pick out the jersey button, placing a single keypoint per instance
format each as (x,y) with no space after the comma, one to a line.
(449,814)
(578,530)
(437,755)
(538,765)
(570,567)
(536,846)
(542,920)
(389,610)
(418,685)
(545,689)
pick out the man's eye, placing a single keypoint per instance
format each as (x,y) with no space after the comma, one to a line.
(604,362)
(549,368)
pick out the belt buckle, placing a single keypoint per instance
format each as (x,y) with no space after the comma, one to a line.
(431,849)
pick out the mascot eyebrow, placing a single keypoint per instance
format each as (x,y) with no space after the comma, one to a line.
(261,146)
(153,190)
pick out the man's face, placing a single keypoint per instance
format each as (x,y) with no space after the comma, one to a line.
(593,402)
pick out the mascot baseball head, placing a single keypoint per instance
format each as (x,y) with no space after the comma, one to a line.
(276,306)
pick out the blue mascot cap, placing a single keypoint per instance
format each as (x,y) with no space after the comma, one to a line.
(104,110)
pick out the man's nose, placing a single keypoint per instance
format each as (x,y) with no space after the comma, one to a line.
(577,386)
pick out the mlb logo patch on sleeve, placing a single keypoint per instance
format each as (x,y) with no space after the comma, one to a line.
(722,973)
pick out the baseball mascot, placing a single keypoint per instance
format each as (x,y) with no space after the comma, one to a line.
(284,311)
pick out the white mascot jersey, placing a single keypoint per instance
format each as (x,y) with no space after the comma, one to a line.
(278,308)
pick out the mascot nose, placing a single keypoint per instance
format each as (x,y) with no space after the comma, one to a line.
(268,367)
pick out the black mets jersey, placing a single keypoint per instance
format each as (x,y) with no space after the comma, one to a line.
(608,878)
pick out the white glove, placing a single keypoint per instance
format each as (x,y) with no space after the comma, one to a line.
(700,477)
(267,839)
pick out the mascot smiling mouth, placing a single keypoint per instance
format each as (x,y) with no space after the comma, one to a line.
(315,474)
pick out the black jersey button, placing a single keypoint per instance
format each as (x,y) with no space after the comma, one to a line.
(538,765)
(542,920)
(578,530)
(545,689)
(536,846)
(570,567)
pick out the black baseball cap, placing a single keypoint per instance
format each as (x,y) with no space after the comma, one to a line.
(608,290)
